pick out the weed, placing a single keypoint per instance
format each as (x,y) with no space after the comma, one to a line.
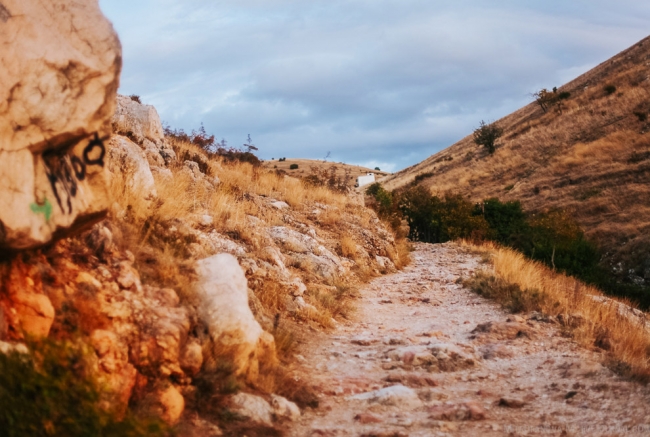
(510,295)
(50,391)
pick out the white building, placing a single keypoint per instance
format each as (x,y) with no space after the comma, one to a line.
(365,180)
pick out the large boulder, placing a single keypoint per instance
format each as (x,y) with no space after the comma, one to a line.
(223,293)
(61,61)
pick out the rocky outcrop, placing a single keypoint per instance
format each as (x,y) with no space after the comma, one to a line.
(141,123)
(223,293)
(60,71)
(129,170)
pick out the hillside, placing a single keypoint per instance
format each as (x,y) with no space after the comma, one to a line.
(307,167)
(588,155)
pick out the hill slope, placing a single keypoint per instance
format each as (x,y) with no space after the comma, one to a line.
(589,155)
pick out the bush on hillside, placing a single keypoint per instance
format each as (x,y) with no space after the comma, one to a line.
(435,220)
(486,135)
(507,220)
(329,178)
(545,98)
(293,166)
(610,89)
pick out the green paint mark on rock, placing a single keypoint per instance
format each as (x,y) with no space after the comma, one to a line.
(45,209)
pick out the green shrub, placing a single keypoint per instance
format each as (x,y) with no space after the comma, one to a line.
(486,135)
(293,166)
(506,220)
(50,392)
(436,220)
(422,176)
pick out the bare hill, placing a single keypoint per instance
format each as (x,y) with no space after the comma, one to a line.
(589,155)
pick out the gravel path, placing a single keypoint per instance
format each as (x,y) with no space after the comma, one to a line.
(426,357)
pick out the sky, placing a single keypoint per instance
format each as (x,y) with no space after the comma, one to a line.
(380,83)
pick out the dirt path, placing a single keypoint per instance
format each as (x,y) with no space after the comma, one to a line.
(427,357)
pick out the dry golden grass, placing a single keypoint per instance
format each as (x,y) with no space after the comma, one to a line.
(626,339)
(591,157)
(348,247)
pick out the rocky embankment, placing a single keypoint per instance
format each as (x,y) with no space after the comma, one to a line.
(425,356)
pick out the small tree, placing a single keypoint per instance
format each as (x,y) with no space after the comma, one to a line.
(487,134)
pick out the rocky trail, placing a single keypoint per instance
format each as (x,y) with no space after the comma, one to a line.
(426,357)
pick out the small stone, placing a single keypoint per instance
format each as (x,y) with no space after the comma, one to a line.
(366,418)
(280,205)
(511,403)
(191,359)
(86,278)
(284,409)
(172,404)
(206,220)
(394,395)
(251,407)
(363,341)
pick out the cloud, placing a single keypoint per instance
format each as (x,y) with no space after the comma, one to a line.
(371,81)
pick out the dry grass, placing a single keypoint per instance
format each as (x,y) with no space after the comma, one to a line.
(524,285)
(349,247)
(164,259)
(591,157)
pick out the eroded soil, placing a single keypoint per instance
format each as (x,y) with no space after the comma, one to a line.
(449,362)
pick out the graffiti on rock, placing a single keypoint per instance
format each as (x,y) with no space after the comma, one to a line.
(65,171)
(45,209)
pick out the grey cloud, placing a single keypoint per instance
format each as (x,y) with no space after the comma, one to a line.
(372,81)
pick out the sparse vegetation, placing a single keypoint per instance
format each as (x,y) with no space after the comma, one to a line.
(209,145)
(293,167)
(51,391)
(135,98)
(331,177)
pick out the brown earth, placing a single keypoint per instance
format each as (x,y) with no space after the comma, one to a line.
(589,154)
(456,364)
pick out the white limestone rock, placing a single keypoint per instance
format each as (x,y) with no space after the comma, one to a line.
(396,395)
(138,121)
(130,171)
(61,62)
(222,290)
(284,408)
(251,407)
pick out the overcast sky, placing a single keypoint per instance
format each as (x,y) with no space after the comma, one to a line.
(375,82)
